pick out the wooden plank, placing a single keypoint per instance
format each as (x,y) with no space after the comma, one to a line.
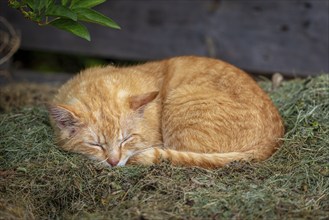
(27,76)
(263,36)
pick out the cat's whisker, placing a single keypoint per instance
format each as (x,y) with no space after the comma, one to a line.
(102,161)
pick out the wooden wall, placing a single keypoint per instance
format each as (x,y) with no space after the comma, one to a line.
(261,36)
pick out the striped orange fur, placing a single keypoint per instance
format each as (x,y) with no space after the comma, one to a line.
(191,111)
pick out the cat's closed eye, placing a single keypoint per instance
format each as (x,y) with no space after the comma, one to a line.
(126,139)
(94,144)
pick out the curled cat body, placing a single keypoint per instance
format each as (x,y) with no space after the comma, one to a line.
(190,111)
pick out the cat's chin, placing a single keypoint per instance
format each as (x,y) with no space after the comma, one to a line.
(104,163)
(124,161)
(99,162)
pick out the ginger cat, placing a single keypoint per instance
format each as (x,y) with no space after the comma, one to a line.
(191,111)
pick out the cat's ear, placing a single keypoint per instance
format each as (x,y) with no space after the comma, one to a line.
(65,118)
(138,102)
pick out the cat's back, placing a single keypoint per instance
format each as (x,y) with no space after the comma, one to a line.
(213,97)
(192,74)
(213,73)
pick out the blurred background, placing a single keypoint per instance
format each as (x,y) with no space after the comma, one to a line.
(260,36)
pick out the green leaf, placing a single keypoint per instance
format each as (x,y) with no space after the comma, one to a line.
(39,5)
(72,27)
(30,3)
(49,3)
(14,4)
(86,3)
(65,2)
(61,11)
(89,15)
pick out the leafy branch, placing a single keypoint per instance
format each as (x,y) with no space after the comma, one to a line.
(64,14)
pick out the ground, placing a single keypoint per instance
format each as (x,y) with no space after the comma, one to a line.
(39,181)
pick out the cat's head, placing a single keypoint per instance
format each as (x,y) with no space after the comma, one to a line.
(109,135)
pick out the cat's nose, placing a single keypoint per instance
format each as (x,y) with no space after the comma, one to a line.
(112,162)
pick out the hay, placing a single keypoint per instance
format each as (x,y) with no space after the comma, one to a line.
(39,181)
(15,95)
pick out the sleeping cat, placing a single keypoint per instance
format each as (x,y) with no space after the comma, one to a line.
(190,111)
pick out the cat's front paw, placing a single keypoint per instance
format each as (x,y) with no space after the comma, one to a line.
(145,157)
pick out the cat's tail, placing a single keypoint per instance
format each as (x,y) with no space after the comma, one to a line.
(192,159)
